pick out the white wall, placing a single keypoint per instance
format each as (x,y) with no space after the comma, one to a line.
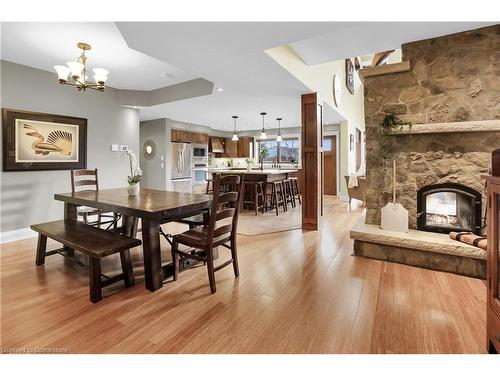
(28,197)
(319,79)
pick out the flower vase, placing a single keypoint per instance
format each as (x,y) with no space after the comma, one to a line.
(133,189)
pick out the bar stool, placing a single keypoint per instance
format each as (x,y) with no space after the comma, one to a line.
(276,195)
(294,184)
(289,197)
(256,192)
(208,189)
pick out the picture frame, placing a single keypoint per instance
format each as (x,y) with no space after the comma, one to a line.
(349,75)
(34,141)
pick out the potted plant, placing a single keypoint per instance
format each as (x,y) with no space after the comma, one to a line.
(249,164)
(264,153)
(135,175)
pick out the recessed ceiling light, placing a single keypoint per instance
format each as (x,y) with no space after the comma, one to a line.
(220,89)
(185,120)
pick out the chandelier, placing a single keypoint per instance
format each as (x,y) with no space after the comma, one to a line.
(77,71)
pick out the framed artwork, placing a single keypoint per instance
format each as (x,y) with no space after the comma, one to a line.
(349,75)
(39,141)
(351,142)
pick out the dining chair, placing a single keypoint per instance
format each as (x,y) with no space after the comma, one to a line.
(220,230)
(88,180)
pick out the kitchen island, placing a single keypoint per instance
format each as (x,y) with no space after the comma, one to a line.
(266,175)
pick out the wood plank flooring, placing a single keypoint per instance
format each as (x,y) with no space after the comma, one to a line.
(299,292)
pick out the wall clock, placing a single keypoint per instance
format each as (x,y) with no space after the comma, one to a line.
(336,90)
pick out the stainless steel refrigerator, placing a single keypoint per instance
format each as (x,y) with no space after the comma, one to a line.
(181,174)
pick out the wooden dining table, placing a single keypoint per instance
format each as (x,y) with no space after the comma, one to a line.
(151,206)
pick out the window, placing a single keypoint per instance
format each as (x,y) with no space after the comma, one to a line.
(327,144)
(285,151)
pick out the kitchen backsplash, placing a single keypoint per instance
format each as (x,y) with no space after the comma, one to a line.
(222,162)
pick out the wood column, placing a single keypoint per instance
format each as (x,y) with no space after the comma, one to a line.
(312,161)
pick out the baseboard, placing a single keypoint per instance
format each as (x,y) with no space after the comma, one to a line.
(16,235)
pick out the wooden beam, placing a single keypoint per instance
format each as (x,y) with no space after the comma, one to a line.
(384,69)
(312,161)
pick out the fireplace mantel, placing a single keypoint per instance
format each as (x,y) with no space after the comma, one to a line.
(450,127)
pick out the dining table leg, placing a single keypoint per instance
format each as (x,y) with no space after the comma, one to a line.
(70,213)
(152,258)
(129,229)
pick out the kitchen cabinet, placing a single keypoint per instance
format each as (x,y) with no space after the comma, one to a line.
(245,147)
(493,265)
(202,138)
(231,148)
(188,137)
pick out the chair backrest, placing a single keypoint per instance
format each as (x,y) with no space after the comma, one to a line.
(84,178)
(227,192)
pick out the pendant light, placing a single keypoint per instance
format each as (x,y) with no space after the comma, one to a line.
(235,136)
(263,134)
(278,138)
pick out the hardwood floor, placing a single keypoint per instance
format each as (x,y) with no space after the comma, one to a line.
(299,292)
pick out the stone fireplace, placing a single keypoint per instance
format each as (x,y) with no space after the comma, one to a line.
(450,92)
(448,207)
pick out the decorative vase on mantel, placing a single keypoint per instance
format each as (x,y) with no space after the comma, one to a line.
(134,189)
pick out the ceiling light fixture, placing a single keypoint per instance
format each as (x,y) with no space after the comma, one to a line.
(77,70)
(220,89)
(235,136)
(263,134)
(278,138)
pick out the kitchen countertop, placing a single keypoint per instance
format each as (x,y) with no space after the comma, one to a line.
(254,171)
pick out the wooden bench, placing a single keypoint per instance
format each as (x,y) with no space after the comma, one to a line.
(94,242)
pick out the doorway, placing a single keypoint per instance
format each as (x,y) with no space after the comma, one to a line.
(330,164)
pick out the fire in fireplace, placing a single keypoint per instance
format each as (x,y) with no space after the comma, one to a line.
(448,207)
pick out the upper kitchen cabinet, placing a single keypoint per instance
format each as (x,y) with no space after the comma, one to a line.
(180,136)
(231,148)
(202,138)
(188,137)
(245,147)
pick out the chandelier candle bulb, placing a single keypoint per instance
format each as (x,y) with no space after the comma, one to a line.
(100,75)
(76,68)
(62,72)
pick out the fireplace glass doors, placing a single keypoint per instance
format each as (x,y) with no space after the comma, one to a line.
(448,207)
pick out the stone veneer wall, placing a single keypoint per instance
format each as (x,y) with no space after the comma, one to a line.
(452,78)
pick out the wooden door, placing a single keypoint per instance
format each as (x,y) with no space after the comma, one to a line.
(330,167)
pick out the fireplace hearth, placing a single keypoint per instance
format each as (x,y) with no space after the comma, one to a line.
(448,207)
